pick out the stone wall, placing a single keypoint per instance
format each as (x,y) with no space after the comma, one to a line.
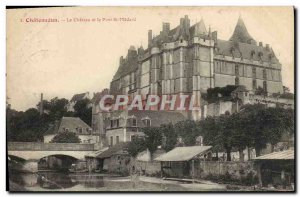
(236,170)
(117,164)
(151,168)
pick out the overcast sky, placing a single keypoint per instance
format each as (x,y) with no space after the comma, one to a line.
(65,58)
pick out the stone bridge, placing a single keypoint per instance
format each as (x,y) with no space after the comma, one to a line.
(32,152)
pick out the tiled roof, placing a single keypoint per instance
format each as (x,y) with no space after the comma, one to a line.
(77,97)
(71,123)
(116,149)
(281,155)
(183,153)
(129,65)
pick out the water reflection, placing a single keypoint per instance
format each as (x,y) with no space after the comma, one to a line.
(56,180)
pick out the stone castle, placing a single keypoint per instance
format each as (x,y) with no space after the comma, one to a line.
(189,59)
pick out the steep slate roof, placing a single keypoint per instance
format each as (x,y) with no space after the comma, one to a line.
(183,153)
(229,48)
(116,149)
(71,123)
(281,155)
(198,29)
(157,117)
(240,33)
(241,44)
(130,62)
(129,65)
(77,97)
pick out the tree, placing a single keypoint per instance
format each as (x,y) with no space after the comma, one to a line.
(240,137)
(83,111)
(169,136)
(266,125)
(212,134)
(56,108)
(188,130)
(136,146)
(66,137)
(26,126)
(153,138)
(227,126)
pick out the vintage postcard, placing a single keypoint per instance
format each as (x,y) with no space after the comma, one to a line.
(139,99)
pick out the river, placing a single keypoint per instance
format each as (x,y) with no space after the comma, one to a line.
(58,181)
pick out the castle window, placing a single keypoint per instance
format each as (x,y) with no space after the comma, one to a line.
(132,122)
(237,81)
(264,74)
(111,140)
(236,69)
(146,122)
(265,86)
(254,72)
(117,123)
(254,85)
(117,139)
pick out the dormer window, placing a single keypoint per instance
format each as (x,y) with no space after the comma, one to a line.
(146,122)
(132,122)
(79,130)
(260,55)
(252,54)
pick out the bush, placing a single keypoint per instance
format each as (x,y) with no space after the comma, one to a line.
(66,137)
(248,180)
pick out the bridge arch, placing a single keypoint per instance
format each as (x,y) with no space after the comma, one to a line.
(14,157)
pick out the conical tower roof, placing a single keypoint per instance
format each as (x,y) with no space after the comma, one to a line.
(200,28)
(240,33)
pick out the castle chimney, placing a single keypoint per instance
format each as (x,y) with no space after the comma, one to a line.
(214,36)
(166,27)
(121,60)
(186,22)
(41,105)
(181,21)
(260,44)
(268,47)
(149,37)
(131,52)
